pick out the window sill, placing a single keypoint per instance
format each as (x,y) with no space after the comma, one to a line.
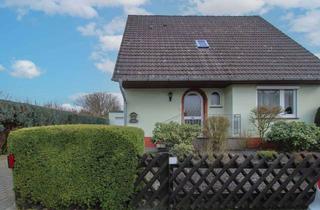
(216,106)
(288,118)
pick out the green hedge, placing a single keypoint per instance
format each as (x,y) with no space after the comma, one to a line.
(173,133)
(70,166)
(26,115)
(16,115)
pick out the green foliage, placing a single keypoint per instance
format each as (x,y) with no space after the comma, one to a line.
(71,166)
(294,136)
(182,149)
(268,154)
(174,133)
(216,129)
(317,118)
(14,115)
(21,114)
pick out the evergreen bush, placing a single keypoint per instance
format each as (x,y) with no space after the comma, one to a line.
(75,166)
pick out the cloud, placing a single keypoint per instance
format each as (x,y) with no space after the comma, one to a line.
(106,66)
(317,54)
(119,96)
(245,7)
(290,4)
(133,10)
(2,68)
(309,24)
(228,7)
(109,38)
(24,69)
(88,30)
(71,107)
(76,8)
(76,96)
(110,42)
(115,26)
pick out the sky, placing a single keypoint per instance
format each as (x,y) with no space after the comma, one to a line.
(58,50)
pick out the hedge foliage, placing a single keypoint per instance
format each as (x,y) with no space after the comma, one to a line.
(26,115)
(295,136)
(75,166)
(15,115)
(173,133)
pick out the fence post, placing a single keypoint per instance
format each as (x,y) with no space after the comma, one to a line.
(164,180)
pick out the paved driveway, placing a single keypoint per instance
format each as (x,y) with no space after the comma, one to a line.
(6,187)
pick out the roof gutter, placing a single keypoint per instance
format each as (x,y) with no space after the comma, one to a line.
(124,102)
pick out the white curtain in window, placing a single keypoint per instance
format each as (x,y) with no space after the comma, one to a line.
(269,97)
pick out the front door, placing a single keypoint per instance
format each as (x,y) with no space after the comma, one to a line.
(193,108)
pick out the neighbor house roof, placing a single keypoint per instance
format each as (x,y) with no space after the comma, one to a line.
(241,48)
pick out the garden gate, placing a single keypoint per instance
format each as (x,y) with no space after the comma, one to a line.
(226,181)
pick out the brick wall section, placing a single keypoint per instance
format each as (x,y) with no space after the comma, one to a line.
(148,142)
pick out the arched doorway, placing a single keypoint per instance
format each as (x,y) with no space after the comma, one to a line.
(193,107)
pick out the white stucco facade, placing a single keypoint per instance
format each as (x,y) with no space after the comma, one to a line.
(153,105)
(116,118)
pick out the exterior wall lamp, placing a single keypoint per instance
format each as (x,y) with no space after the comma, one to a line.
(170,96)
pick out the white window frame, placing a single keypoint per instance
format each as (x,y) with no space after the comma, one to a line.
(281,90)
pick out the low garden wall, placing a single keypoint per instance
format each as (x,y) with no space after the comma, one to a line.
(75,166)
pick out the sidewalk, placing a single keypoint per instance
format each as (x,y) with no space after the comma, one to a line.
(6,186)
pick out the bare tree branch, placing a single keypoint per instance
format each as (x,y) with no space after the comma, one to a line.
(99,104)
(4,96)
(262,117)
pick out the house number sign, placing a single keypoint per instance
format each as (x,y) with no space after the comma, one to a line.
(133,117)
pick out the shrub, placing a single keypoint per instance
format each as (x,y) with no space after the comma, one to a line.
(216,129)
(294,136)
(262,117)
(182,149)
(15,115)
(71,166)
(268,154)
(174,133)
(317,118)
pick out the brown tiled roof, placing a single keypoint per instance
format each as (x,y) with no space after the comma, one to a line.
(242,48)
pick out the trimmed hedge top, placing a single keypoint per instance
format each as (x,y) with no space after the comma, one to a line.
(26,115)
(67,166)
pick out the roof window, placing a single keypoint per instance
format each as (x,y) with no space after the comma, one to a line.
(202,43)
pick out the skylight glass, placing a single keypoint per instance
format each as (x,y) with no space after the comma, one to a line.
(202,43)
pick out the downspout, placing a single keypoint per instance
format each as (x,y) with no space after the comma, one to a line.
(124,102)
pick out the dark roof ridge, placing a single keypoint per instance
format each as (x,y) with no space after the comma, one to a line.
(158,15)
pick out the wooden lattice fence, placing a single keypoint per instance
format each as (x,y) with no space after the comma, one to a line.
(227,181)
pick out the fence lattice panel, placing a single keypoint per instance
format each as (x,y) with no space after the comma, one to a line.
(227,181)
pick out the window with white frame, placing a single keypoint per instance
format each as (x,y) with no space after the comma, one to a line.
(215,99)
(284,98)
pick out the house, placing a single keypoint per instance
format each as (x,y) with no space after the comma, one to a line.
(188,68)
(116,118)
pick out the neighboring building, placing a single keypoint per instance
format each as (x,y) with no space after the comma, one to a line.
(188,68)
(116,118)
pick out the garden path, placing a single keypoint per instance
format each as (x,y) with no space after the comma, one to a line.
(7,200)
